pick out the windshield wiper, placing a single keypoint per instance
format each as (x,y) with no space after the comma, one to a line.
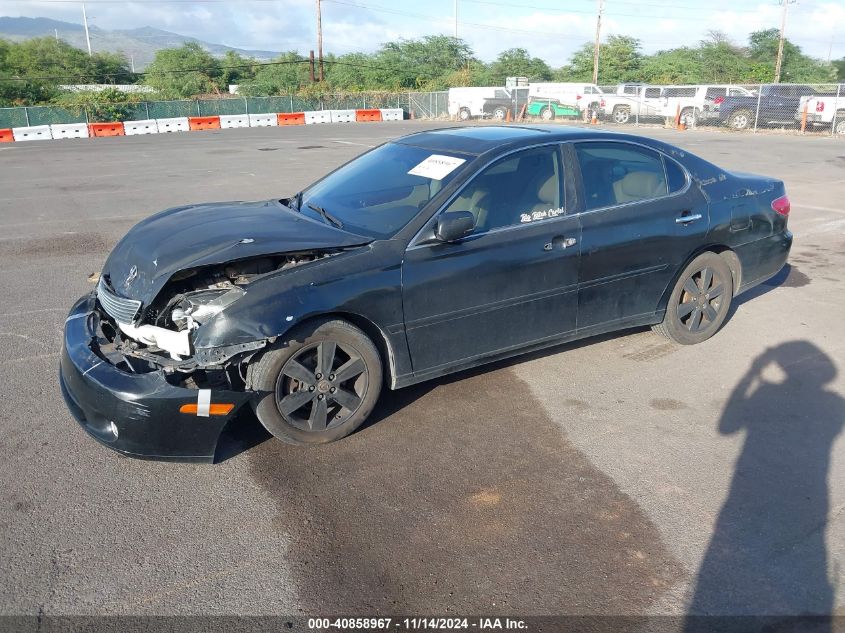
(328,217)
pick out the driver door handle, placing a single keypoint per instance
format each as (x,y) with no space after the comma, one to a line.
(687,218)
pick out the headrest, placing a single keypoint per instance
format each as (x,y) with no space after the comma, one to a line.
(639,184)
(548,191)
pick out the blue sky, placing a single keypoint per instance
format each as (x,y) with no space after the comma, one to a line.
(547,28)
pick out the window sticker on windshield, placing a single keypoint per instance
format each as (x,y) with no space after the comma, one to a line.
(437,166)
(540,215)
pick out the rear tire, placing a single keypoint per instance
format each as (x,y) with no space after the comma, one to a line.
(500,113)
(689,117)
(699,302)
(464,114)
(547,114)
(741,119)
(621,115)
(319,384)
(840,123)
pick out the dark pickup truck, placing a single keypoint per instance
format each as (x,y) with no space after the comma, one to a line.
(505,99)
(777,104)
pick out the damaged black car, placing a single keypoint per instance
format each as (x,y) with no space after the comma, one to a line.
(430,254)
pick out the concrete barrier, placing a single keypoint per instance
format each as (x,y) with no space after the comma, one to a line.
(362,116)
(147,126)
(392,114)
(196,123)
(69,130)
(32,133)
(106,129)
(342,116)
(318,116)
(263,120)
(290,118)
(175,124)
(228,121)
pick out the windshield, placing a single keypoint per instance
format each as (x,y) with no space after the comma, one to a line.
(375,195)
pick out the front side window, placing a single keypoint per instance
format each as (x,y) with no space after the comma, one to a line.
(380,192)
(712,93)
(652,93)
(619,173)
(519,189)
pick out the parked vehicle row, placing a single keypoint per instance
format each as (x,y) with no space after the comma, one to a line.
(730,105)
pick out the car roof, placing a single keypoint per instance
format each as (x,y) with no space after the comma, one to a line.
(481,139)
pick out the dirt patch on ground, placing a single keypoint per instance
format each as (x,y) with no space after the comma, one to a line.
(64,244)
(461,497)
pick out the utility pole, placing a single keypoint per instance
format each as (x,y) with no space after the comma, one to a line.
(456,19)
(598,44)
(132,63)
(85,22)
(320,39)
(56,31)
(779,62)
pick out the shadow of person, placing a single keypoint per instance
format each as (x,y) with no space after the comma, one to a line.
(767,555)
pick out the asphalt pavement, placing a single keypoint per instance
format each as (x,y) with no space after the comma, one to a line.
(617,475)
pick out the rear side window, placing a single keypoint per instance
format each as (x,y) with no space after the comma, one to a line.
(619,173)
(712,93)
(675,175)
(652,93)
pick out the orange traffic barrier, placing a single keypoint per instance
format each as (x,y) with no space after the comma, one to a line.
(367,115)
(106,129)
(204,122)
(290,118)
(6,136)
(508,116)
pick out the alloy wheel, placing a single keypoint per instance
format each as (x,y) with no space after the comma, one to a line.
(702,300)
(321,386)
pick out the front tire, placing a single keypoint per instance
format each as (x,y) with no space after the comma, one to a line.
(464,114)
(500,113)
(689,117)
(319,384)
(699,302)
(840,123)
(547,114)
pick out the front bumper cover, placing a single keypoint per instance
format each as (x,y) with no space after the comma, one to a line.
(143,409)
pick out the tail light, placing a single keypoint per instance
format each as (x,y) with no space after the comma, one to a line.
(781,205)
(819,106)
(602,103)
(577,97)
(718,100)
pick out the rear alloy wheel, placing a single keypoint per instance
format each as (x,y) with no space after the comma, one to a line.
(621,115)
(319,385)
(700,301)
(547,114)
(500,113)
(463,114)
(741,119)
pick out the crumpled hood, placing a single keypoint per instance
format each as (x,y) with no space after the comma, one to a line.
(215,233)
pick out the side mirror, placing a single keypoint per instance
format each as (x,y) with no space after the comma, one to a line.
(454,225)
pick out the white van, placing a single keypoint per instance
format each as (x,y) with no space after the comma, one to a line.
(465,103)
(587,97)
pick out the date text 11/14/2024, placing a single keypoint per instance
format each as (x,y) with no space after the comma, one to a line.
(417,624)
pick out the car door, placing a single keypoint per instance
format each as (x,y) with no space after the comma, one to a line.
(511,282)
(641,219)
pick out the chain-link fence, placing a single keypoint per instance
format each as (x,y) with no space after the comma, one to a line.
(741,107)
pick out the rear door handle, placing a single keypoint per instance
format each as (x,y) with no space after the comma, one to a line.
(686,219)
(561,242)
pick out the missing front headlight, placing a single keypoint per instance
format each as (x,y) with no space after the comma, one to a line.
(195,308)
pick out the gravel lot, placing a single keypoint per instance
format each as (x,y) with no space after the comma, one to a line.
(620,475)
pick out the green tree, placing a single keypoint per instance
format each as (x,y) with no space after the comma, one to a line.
(796,66)
(516,62)
(182,72)
(236,69)
(285,75)
(620,60)
(32,71)
(422,63)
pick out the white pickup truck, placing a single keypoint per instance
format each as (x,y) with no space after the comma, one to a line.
(825,110)
(642,101)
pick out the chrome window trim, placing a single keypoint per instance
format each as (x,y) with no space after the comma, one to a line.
(413,243)
(662,155)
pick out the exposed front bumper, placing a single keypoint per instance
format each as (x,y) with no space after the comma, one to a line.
(134,414)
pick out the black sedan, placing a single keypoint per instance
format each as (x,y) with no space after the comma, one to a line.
(430,254)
